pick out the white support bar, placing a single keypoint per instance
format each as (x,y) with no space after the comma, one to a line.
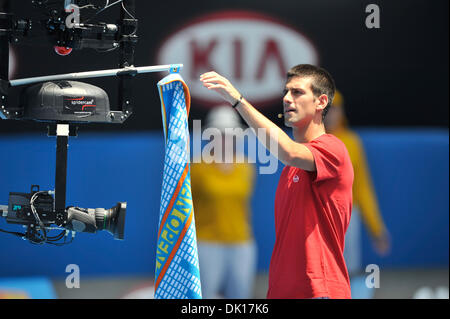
(172,68)
(62,130)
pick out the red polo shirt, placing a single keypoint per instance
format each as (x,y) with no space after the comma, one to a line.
(312,213)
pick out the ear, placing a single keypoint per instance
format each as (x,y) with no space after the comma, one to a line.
(323,102)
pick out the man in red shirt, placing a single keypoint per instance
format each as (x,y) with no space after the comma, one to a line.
(313,200)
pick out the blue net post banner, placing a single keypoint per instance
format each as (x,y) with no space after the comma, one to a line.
(177,273)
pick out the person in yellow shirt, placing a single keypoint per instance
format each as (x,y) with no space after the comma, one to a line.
(365,204)
(221,195)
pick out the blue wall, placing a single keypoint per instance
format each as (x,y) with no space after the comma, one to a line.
(410,170)
(409,167)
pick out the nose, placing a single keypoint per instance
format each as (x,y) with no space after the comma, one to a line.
(287,98)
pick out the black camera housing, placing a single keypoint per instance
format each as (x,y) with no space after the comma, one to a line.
(19,209)
(75,219)
(62,104)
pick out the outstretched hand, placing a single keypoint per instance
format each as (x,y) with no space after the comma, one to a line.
(215,82)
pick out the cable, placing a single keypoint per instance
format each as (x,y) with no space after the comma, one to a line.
(125,9)
(60,236)
(34,236)
(36,216)
(65,242)
(88,6)
(135,28)
(13,233)
(33,209)
(57,237)
(107,50)
(107,6)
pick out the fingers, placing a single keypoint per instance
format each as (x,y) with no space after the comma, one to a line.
(208,75)
(214,81)
(213,86)
(212,76)
(211,82)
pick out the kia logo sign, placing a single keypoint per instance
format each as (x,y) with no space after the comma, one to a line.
(253,51)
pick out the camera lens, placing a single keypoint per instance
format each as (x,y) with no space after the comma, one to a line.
(91,220)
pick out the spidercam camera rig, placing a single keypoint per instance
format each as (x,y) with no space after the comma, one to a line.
(62,102)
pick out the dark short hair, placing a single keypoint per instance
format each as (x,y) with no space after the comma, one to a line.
(322,82)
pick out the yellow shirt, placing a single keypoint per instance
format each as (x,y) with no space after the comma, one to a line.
(221,200)
(363,192)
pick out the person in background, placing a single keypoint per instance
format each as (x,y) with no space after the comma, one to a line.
(365,204)
(221,194)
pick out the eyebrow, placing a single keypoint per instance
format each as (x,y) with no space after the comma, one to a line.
(294,88)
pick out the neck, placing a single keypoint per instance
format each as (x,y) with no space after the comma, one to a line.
(309,132)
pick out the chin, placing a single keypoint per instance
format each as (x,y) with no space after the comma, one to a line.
(287,123)
(290,120)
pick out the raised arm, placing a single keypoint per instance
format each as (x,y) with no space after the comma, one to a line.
(288,151)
